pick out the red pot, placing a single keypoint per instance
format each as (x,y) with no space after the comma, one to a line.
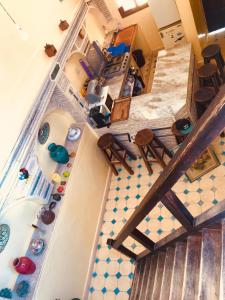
(60,189)
(24,265)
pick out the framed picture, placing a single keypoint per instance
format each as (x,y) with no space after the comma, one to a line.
(204,164)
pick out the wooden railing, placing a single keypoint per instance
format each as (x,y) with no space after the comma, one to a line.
(211,124)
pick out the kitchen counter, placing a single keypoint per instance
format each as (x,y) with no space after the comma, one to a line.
(169,89)
(169,99)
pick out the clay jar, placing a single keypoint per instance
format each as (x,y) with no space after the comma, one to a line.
(24,265)
(50,50)
(63,25)
(47,215)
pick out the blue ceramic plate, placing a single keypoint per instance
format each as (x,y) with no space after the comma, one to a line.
(43,133)
(4,236)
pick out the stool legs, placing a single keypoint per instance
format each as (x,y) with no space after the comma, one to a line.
(220,66)
(156,155)
(148,144)
(145,158)
(129,153)
(115,152)
(167,151)
(112,166)
(122,160)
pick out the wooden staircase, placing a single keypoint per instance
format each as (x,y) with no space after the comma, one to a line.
(192,269)
(189,263)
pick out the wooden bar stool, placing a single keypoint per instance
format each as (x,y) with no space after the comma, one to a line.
(115,152)
(211,52)
(203,97)
(209,76)
(148,145)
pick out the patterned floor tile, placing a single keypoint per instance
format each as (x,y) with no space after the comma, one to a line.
(113,272)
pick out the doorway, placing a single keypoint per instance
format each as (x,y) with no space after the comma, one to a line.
(214,14)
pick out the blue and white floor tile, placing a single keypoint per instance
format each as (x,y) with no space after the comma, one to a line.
(113,272)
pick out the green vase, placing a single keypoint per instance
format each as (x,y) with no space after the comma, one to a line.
(58,153)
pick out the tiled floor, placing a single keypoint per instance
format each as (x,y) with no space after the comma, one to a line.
(113,272)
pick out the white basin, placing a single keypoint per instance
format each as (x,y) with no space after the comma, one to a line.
(19,216)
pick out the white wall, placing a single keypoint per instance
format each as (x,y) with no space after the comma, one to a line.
(164,12)
(68,257)
(24,64)
(94,25)
(146,24)
(190,30)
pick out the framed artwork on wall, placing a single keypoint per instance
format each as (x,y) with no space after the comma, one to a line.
(204,164)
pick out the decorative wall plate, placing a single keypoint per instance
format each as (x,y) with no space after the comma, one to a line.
(74,134)
(43,133)
(4,236)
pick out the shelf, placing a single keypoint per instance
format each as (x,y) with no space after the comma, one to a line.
(39,260)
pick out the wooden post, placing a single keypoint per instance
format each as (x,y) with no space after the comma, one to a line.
(177,208)
(142,239)
(122,249)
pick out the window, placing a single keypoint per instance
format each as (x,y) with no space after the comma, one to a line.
(129,7)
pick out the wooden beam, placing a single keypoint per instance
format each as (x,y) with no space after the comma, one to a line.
(177,235)
(122,249)
(143,254)
(212,216)
(142,239)
(210,125)
(177,208)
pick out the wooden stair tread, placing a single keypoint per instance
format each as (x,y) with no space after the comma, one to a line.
(167,274)
(137,281)
(158,276)
(210,264)
(151,278)
(178,271)
(192,271)
(147,270)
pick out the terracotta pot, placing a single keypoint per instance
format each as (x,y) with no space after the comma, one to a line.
(81,34)
(50,50)
(24,265)
(63,25)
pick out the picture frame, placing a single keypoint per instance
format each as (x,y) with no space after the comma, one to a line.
(204,164)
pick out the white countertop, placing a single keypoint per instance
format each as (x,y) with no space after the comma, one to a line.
(169,89)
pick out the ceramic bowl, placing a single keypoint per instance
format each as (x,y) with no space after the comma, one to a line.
(37,246)
(74,134)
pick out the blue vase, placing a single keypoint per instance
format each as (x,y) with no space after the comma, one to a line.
(58,153)
(22,288)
